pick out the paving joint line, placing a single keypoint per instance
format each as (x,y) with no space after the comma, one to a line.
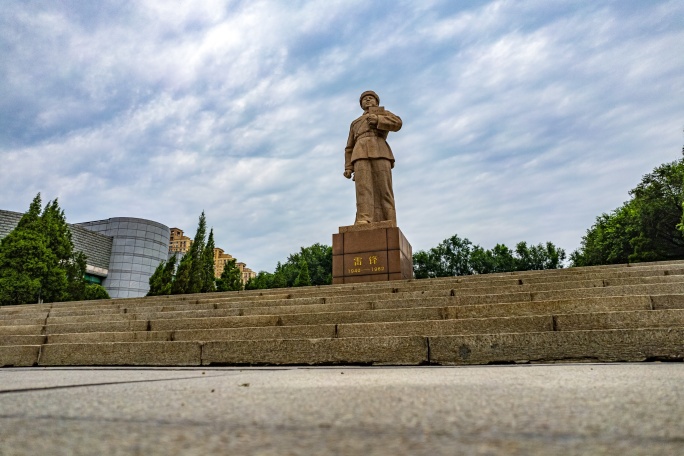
(49,388)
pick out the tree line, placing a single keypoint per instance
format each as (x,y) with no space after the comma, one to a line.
(455,256)
(38,261)
(194,273)
(310,266)
(648,227)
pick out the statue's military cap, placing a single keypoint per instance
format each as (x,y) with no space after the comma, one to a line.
(369,92)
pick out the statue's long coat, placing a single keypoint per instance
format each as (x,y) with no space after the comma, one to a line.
(367,142)
(370,158)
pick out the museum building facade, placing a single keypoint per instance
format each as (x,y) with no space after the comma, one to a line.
(138,246)
(122,252)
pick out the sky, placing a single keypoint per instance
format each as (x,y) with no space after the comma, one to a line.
(522,120)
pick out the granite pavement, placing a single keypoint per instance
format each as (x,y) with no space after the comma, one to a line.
(626,409)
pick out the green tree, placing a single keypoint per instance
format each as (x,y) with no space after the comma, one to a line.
(37,259)
(318,261)
(191,276)
(499,259)
(77,288)
(195,273)
(456,256)
(608,240)
(162,279)
(95,291)
(58,241)
(231,277)
(303,279)
(181,281)
(156,280)
(538,257)
(424,266)
(648,227)
(23,258)
(208,279)
(658,200)
(285,274)
(279,279)
(449,258)
(318,258)
(262,281)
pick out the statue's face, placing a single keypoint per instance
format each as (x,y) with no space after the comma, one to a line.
(368,101)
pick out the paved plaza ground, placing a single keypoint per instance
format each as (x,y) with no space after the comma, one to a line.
(564,409)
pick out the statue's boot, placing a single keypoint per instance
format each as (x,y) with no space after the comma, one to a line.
(363,214)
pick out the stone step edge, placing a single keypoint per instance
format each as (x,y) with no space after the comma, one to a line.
(485,290)
(474,281)
(626,267)
(322,293)
(443,312)
(571,346)
(639,289)
(301,309)
(640,319)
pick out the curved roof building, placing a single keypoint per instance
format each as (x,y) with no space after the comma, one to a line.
(122,252)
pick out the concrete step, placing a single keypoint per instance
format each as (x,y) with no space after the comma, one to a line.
(404,328)
(449,308)
(419,285)
(10,339)
(510,279)
(204,311)
(22,330)
(408,309)
(659,285)
(624,345)
(550,346)
(550,308)
(623,312)
(424,327)
(151,307)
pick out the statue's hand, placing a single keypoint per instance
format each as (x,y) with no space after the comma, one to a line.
(372,120)
(347,174)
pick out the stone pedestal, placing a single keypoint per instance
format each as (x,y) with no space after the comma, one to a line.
(373,252)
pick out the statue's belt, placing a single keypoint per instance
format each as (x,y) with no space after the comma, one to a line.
(367,134)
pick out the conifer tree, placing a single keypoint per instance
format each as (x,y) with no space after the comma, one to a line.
(231,278)
(181,282)
(156,280)
(162,279)
(195,274)
(23,259)
(37,259)
(279,279)
(303,279)
(207,262)
(168,275)
(77,288)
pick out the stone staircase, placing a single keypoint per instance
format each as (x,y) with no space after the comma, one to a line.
(596,314)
